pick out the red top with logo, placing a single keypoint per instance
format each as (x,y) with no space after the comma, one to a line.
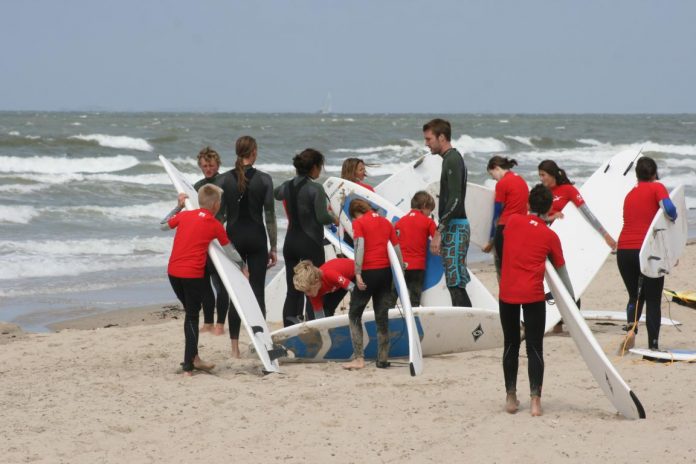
(194,232)
(512,191)
(414,230)
(527,243)
(562,194)
(640,206)
(376,231)
(335,274)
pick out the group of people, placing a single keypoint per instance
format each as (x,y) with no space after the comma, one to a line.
(520,239)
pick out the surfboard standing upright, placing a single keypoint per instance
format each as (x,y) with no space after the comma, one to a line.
(236,284)
(415,352)
(608,378)
(665,240)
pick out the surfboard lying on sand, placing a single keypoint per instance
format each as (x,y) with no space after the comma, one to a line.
(665,241)
(442,330)
(415,352)
(435,293)
(608,378)
(683,298)
(619,316)
(584,250)
(236,284)
(666,355)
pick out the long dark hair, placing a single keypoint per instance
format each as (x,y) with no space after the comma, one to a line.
(305,161)
(551,168)
(245,147)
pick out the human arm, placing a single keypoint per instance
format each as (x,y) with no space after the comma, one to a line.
(164,223)
(669,208)
(454,173)
(321,206)
(232,253)
(497,211)
(563,274)
(359,250)
(594,222)
(271,225)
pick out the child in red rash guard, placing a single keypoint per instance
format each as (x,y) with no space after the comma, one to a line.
(414,229)
(528,243)
(325,285)
(194,232)
(373,278)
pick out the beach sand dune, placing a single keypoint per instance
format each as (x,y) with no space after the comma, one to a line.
(115,395)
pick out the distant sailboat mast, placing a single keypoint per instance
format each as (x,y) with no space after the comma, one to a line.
(326,109)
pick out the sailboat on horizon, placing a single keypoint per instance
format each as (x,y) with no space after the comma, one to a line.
(326,109)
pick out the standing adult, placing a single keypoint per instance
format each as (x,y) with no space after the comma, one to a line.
(214,292)
(640,206)
(306,206)
(451,239)
(249,199)
(511,193)
(353,169)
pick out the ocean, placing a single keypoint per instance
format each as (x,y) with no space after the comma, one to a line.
(82,194)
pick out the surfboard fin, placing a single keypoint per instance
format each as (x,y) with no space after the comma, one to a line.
(256,329)
(278,351)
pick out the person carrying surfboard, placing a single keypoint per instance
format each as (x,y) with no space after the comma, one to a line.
(373,280)
(209,164)
(249,200)
(414,230)
(194,231)
(511,193)
(451,239)
(326,285)
(306,206)
(527,243)
(353,169)
(639,208)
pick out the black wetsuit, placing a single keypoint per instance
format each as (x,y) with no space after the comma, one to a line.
(247,232)
(307,209)
(214,293)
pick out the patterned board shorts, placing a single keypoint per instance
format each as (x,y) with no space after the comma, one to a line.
(455,244)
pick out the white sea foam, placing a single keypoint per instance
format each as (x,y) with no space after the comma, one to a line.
(370,150)
(75,123)
(22,188)
(65,165)
(14,133)
(523,140)
(468,144)
(592,142)
(141,179)
(116,141)
(503,121)
(17,214)
(46,258)
(150,211)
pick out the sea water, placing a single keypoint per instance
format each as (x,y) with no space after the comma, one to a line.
(82,194)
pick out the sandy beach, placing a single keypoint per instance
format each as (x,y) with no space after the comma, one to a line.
(108,389)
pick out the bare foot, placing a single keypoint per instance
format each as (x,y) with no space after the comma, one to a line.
(357,363)
(201,365)
(511,403)
(235,348)
(219,329)
(187,373)
(206,328)
(535,407)
(627,343)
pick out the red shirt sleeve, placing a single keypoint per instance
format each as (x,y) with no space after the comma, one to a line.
(660,192)
(432,227)
(220,233)
(173,221)
(575,196)
(500,191)
(556,250)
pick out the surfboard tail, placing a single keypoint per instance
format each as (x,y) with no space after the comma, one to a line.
(639,406)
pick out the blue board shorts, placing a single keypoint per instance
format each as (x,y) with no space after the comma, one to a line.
(455,245)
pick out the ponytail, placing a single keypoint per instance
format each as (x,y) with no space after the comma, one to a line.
(245,148)
(501,162)
(551,168)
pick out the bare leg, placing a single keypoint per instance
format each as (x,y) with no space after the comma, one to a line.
(219,329)
(357,363)
(535,408)
(511,403)
(234,342)
(206,328)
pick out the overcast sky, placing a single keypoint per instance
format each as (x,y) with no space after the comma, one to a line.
(440,56)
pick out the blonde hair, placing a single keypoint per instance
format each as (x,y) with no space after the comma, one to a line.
(307,275)
(208,154)
(208,195)
(349,168)
(244,147)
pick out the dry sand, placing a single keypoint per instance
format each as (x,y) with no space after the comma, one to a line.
(115,395)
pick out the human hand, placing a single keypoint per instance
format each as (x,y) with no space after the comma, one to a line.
(272,258)
(360,282)
(488,248)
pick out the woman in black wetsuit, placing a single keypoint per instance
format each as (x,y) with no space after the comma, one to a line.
(249,199)
(306,206)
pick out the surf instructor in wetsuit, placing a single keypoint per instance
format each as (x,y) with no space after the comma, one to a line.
(451,239)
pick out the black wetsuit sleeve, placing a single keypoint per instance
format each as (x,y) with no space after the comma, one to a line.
(321,205)
(269,213)
(452,169)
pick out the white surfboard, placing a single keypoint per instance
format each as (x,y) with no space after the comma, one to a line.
(584,250)
(424,174)
(415,353)
(666,355)
(236,284)
(665,241)
(435,291)
(619,316)
(608,378)
(442,330)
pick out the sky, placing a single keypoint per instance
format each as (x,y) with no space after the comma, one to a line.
(371,56)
